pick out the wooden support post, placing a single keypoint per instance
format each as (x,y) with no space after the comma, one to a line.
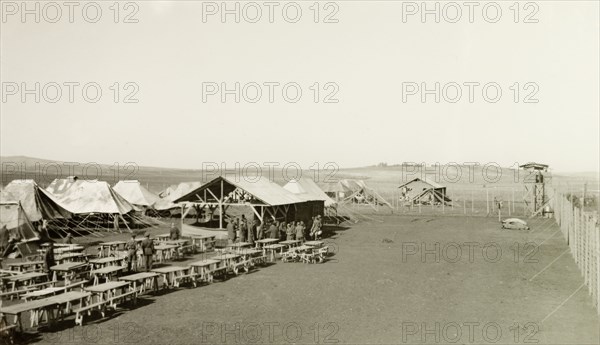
(513,200)
(182,208)
(487,200)
(499,214)
(443,200)
(597,269)
(432,198)
(221,206)
(472,203)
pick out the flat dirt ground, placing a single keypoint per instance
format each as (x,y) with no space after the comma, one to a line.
(405,280)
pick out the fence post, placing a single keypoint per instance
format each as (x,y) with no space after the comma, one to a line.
(487,200)
(513,200)
(597,272)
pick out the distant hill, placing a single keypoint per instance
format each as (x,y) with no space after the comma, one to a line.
(381,178)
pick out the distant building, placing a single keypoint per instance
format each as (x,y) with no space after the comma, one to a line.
(423,191)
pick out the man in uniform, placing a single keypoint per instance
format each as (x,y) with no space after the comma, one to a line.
(252,231)
(174,232)
(49,259)
(300,231)
(243,229)
(148,249)
(131,247)
(316,228)
(231,231)
(273,230)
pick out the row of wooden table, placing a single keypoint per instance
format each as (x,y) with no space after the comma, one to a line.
(59,305)
(107,284)
(199,243)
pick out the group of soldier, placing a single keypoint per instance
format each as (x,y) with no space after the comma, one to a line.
(242,230)
(147,247)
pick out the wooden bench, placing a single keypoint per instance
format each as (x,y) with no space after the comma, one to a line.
(210,245)
(183,250)
(184,278)
(289,256)
(259,260)
(7,333)
(321,254)
(102,306)
(53,290)
(221,272)
(242,264)
(308,258)
(26,289)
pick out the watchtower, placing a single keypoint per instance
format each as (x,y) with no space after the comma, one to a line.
(535,179)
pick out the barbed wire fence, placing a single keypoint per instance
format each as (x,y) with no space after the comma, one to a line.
(576,213)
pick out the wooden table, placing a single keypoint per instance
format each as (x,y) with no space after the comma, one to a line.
(164,251)
(201,241)
(228,259)
(248,253)
(43,293)
(314,243)
(303,248)
(239,245)
(24,279)
(180,243)
(163,237)
(25,266)
(106,291)
(146,280)
(111,247)
(69,257)
(265,241)
(106,273)
(69,270)
(71,248)
(291,243)
(204,269)
(271,250)
(107,261)
(66,248)
(170,273)
(44,307)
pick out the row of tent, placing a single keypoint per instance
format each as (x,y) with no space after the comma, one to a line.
(349,190)
(65,197)
(72,196)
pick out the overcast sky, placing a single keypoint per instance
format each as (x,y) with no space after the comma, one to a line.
(369,56)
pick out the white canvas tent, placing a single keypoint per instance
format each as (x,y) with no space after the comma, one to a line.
(175,192)
(37,203)
(14,223)
(92,196)
(423,191)
(263,197)
(60,185)
(135,193)
(308,190)
(357,190)
(138,195)
(14,219)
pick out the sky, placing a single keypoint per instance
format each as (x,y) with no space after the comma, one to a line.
(361,70)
